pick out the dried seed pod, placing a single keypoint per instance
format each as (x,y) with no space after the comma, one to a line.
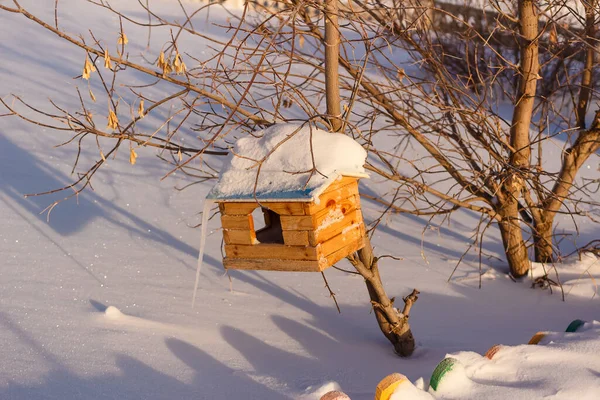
(141,111)
(132,156)
(88,68)
(122,39)
(113,121)
(107,61)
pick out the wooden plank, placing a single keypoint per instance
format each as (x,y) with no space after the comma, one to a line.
(344,204)
(295,238)
(237,208)
(348,235)
(269,251)
(323,234)
(344,181)
(272,265)
(238,236)
(326,199)
(290,208)
(243,208)
(237,222)
(297,223)
(331,259)
(336,210)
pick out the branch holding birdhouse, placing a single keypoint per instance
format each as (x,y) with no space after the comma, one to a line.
(289,201)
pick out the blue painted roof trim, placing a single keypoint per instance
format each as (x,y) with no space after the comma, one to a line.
(306,195)
(300,195)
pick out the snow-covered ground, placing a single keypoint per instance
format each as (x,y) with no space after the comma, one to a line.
(96,302)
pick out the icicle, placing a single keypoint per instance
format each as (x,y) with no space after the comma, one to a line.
(205,214)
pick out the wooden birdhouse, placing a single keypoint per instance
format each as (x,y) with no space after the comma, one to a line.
(300,235)
(279,219)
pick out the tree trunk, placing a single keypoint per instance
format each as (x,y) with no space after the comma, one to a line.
(512,238)
(542,240)
(519,162)
(586,78)
(586,144)
(528,71)
(393,325)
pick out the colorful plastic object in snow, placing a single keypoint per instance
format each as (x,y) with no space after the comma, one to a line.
(492,351)
(445,366)
(335,395)
(388,385)
(535,339)
(575,325)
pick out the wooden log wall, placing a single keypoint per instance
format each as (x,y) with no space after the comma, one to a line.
(316,236)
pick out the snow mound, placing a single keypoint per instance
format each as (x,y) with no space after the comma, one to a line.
(577,276)
(112,312)
(288,161)
(408,391)
(318,392)
(564,365)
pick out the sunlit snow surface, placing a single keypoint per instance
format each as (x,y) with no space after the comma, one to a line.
(267,335)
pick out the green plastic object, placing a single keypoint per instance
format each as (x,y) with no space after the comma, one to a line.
(445,366)
(576,324)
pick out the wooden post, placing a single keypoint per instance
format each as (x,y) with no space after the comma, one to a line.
(332,55)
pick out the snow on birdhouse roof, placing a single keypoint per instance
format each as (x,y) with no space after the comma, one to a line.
(287,162)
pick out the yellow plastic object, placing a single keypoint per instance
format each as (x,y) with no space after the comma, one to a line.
(386,387)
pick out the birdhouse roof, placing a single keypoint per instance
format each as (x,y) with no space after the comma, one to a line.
(287,162)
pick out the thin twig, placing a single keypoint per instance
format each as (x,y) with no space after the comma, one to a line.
(331,294)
